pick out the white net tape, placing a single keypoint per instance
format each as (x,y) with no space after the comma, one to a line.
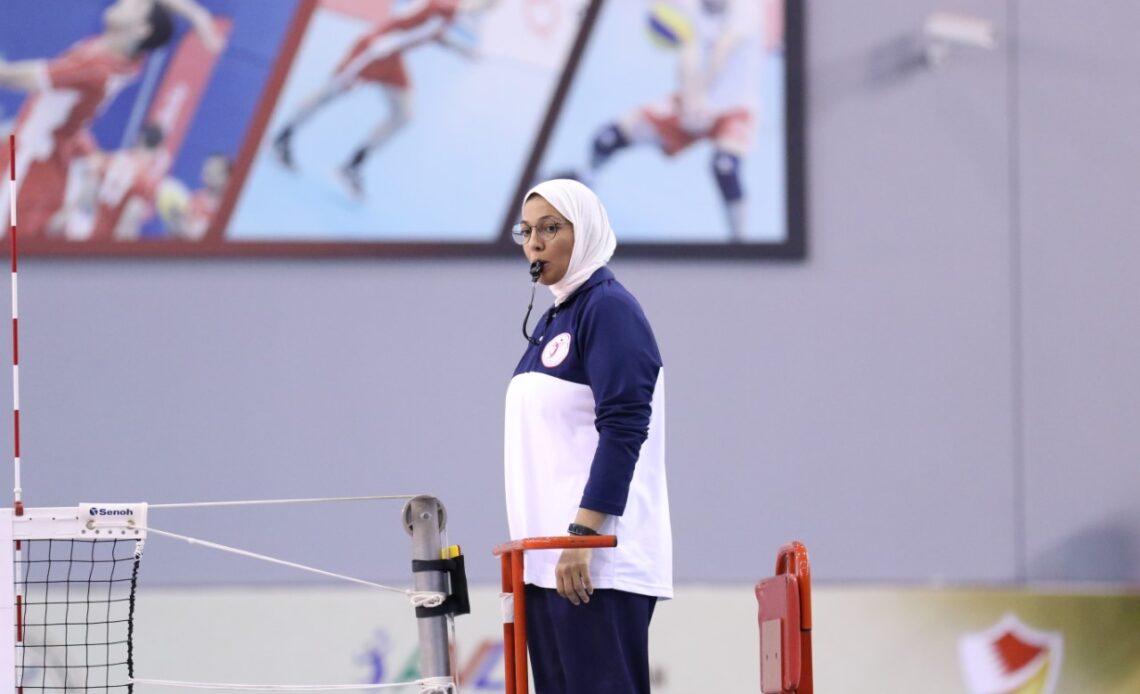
(428,685)
(273,502)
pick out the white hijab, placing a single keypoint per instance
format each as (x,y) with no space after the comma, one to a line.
(594,240)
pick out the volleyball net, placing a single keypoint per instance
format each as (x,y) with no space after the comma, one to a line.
(74,620)
(74,576)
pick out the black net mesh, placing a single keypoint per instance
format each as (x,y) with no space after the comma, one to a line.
(76,618)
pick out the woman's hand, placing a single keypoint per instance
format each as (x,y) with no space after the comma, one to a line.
(573,570)
(573,575)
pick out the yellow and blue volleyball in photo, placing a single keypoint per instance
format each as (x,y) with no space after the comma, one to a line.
(172,200)
(669,27)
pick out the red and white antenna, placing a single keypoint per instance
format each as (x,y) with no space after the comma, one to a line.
(17,492)
(18,505)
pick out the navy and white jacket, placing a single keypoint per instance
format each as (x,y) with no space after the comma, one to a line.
(585,426)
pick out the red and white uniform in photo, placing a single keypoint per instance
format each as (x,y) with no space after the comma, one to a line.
(378,55)
(722,105)
(74,88)
(203,205)
(128,180)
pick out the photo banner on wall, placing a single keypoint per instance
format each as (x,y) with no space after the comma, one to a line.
(400,127)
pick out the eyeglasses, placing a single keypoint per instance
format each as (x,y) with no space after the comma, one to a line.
(546,231)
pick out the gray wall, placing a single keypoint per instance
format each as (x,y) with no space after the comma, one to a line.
(947,390)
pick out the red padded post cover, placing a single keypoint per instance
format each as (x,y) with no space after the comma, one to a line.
(779,599)
(785,615)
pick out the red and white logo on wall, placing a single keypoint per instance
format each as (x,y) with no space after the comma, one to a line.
(1011,658)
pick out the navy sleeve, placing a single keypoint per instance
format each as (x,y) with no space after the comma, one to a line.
(622,363)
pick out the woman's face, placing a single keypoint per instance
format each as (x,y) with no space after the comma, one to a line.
(539,215)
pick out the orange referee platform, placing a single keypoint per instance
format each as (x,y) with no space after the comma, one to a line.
(784,614)
(785,624)
(514,598)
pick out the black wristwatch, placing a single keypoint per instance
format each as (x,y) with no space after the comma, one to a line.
(578,529)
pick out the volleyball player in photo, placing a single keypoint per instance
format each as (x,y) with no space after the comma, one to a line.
(68,92)
(719,46)
(377,58)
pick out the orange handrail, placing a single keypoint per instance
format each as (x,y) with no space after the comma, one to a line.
(556,542)
(514,631)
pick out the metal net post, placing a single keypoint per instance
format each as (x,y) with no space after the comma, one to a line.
(424,519)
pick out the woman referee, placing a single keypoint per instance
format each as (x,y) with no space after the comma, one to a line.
(584,454)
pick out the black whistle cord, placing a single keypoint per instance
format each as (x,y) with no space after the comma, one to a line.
(535,272)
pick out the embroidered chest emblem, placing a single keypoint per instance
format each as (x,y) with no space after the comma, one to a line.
(556,350)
